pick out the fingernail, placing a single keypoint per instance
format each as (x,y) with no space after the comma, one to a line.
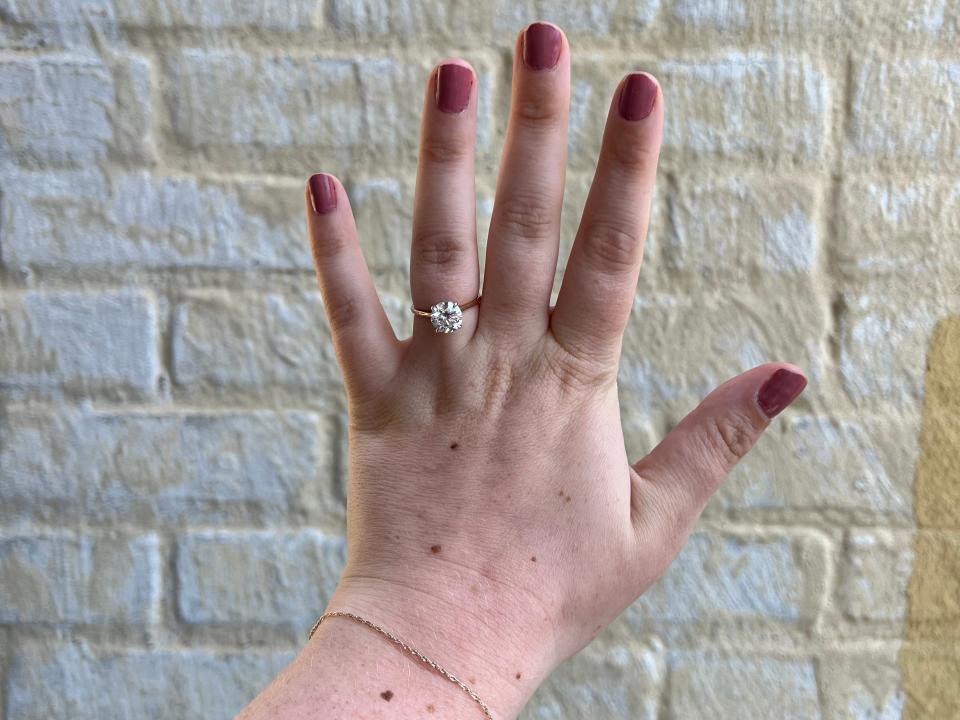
(323,193)
(638,96)
(454,83)
(780,389)
(541,46)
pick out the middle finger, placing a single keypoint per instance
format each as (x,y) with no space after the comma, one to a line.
(523,242)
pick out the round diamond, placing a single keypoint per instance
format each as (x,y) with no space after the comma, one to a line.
(446,316)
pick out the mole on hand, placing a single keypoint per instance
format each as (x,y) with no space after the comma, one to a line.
(519,674)
(533,558)
(387,695)
(435,549)
(454,446)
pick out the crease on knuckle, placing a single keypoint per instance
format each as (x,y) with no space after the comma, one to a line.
(633,156)
(440,248)
(444,150)
(328,246)
(526,217)
(341,312)
(537,111)
(576,373)
(732,435)
(611,248)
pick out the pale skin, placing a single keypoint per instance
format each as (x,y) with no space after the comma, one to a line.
(495,521)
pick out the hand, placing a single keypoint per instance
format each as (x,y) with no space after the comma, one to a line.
(494,519)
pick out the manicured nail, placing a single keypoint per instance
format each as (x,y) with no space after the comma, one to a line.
(541,46)
(323,193)
(454,83)
(780,389)
(638,96)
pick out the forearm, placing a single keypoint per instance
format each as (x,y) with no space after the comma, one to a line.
(348,670)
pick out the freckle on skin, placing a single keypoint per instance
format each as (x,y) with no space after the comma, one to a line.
(519,675)
(435,549)
(431,708)
(533,559)
(387,695)
(454,446)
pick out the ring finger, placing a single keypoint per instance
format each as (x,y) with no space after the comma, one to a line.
(443,256)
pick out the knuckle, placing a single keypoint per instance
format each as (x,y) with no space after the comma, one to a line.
(526,216)
(612,248)
(438,248)
(575,373)
(632,156)
(436,149)
(328,245)
(341,312)
(732,435)
(537,108)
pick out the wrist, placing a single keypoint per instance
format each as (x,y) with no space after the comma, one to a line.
(498,642)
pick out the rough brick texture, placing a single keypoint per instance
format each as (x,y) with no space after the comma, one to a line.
(173,428)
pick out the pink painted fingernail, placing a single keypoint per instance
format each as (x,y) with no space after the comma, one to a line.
(323,193)
(638,96)
(454,83)
(541,46)
(780,389)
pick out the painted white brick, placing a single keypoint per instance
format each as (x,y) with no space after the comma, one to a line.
(604,680)
(710,686)
(212,467)
(79,340)
(143,219)
(72,111)
(288,111)
(728,577)
(287,16)
(278,578)
(55,578)
(252,341)
(76,682)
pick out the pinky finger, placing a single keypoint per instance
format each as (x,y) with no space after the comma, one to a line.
(367,349)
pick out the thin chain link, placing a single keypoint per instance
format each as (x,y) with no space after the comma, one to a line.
(416,653)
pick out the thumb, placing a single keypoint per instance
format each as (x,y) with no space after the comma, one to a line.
(679,475)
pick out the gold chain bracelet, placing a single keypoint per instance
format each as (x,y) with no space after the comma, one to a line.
(404,646)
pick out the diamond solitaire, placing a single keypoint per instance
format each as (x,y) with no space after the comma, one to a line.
(446,316)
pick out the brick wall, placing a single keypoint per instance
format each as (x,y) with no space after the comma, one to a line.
(171,418)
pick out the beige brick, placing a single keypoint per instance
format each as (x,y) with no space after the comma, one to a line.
(883,340)
(816,464)
(899,225)
(718,335)
(899,112)
(876,569)
(861,686)
(736,227)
